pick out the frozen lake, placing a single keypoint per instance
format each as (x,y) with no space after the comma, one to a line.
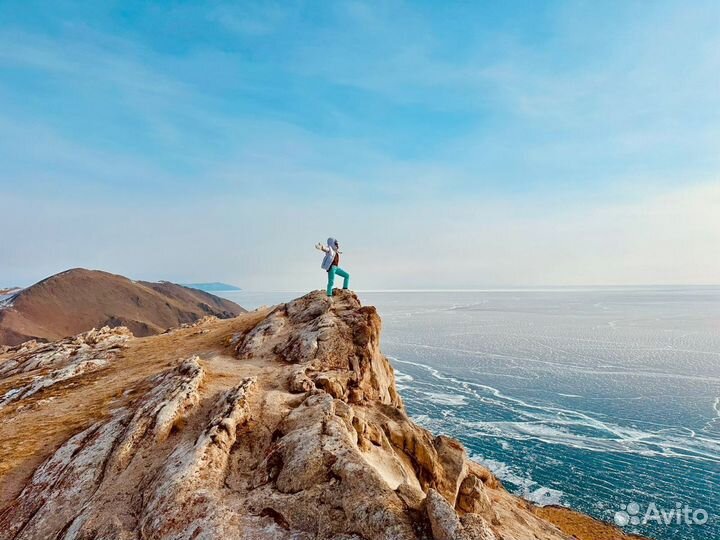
(591,398)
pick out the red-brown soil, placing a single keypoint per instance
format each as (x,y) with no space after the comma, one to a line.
(77,300)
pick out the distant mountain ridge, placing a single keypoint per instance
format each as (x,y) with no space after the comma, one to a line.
(214,286)
(77,300)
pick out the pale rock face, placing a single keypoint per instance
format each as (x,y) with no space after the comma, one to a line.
(476,528)
(473,498)
(95,344)
(72,370)
(72,477)
(73,357)
(335,340)
(444,520)
(447,525)
(300,434)
(187,497)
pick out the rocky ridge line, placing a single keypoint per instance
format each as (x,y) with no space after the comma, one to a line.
(291,430)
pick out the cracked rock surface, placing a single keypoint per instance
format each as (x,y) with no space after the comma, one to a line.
(283,423)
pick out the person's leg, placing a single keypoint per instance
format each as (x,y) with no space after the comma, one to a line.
(343,274)
(331,279)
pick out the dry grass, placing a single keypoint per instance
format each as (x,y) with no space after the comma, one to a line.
(581,526)
(32,430)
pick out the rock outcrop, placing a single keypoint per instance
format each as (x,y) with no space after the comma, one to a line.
(67,359)
(283,424)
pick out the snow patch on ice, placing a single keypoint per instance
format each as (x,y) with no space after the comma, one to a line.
(528,488)
(441,398)
(402,380)
(403,377)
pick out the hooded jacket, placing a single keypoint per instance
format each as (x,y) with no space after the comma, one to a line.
(332,256)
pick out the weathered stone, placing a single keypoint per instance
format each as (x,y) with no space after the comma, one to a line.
(476,528)
(68,480)
(301,435)
(444,521)
(188,495)
(452,458)
(356,395)
(94,345)
(299,382)
(331,385)
(473,498)
(411,495)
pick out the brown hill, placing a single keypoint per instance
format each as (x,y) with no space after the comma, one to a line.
(77,300)
(279,424)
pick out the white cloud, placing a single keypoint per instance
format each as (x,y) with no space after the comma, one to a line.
(615,163)
(266,242)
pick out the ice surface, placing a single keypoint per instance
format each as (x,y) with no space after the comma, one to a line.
(592,398)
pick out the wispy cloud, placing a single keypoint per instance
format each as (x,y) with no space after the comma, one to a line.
(567,143)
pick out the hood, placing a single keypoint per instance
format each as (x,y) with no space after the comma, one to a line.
(332,243)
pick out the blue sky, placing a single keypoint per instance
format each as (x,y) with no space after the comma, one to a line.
(447,144)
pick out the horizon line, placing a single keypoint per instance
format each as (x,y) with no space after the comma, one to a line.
(515,288)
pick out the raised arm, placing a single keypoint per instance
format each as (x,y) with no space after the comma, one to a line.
(321,247)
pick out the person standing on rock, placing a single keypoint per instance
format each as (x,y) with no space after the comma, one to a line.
(331,264)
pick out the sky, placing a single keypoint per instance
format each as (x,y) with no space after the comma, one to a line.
(445,144)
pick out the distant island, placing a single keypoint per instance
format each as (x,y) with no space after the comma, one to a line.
(212,287)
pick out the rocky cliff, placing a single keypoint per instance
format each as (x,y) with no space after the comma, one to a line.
(278,424)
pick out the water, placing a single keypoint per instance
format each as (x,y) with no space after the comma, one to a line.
(591,398)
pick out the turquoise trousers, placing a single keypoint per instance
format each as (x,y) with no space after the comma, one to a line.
(331,278)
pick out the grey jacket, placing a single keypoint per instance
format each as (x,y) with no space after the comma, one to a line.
(330,251)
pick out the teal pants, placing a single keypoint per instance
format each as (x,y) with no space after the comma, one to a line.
(331,278)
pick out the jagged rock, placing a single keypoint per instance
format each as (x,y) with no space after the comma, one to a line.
(75,369)
(63,484)
(186,498)
(72,358)
(356,395)
(473,498)
(94,344)
(299,382)
(175,393)
(316,463)
(452,459)
(447,525)
(300,435)
(412,496)
(204,321)
(486,477)
(67,481)
(444,520)
(332,334)
(476,528)
(332,385)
